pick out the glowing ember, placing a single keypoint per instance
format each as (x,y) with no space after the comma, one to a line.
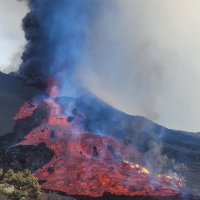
(85,163)
(173,179)
(139,169)
(144,170)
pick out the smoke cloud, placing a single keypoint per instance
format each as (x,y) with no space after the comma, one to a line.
(140,57)
(87,41)
(124,52)
(56,32)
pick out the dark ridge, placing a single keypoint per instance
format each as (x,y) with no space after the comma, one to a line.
(95,152)
(12,85)
(22,128)
(108,196)
(13,95)
(31,157)
(112,151)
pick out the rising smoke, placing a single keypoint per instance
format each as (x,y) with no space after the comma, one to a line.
(145,60)
(84,41)
(56,32)
(107,46)
(135,55)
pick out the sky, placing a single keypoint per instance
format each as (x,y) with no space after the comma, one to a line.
(11,34)
(144,57)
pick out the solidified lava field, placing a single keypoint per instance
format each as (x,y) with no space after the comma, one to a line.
(85,163)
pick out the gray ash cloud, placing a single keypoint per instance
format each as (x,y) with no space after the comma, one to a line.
(55,32)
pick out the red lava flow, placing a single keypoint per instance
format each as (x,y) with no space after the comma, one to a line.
(85,163)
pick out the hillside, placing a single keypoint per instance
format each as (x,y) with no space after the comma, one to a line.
(164,150)
(13,94)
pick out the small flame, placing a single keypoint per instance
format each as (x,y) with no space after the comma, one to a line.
(144,170)
(169,177)
(174,179)
(137,166)
(181,184)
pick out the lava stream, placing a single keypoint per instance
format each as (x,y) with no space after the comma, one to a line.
(85,163)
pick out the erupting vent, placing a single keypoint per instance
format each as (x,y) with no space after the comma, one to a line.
(85,163)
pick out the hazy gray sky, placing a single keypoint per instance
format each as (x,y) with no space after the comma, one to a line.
(144,57)
(11,35)
(149,62)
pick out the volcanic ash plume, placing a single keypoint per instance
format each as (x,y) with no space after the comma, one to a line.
(55,32)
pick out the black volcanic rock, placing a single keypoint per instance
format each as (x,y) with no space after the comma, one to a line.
(31,157)
(108,196)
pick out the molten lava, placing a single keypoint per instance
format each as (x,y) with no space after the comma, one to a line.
(85,163)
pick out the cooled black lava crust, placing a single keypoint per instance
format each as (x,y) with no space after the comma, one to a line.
(17,157)
(31,157)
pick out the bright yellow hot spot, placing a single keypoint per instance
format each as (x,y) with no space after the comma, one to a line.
(145,170)
(139,168)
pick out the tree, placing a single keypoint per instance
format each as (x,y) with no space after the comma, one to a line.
(24,183)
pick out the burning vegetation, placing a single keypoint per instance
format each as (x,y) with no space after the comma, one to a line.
(85,163)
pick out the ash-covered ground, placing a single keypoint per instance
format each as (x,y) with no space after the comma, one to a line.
(173,149)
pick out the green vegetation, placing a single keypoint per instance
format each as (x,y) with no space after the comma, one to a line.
(21,184)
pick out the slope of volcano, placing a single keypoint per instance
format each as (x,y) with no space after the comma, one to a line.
(95,145)
(85,163)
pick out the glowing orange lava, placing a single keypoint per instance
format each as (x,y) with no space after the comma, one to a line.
(85,163)
(26,110)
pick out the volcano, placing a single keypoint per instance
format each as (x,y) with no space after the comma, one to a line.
(83,147)
(85,163)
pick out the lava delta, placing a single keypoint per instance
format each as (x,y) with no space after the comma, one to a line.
(85,163)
